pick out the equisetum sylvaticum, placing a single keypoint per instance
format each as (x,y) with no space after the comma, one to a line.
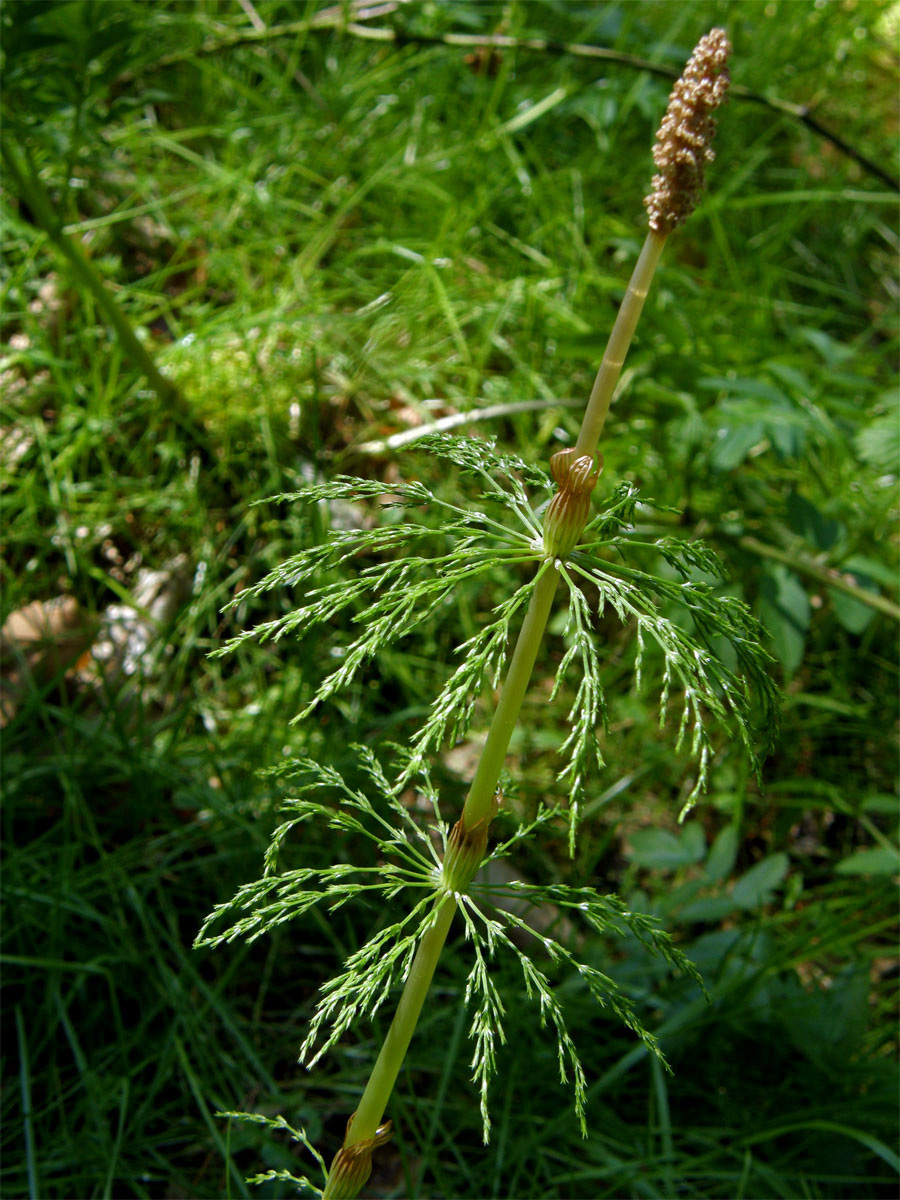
(713,670)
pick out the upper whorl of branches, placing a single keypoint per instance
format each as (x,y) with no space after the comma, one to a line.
(684,141)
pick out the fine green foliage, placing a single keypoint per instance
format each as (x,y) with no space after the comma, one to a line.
(280,1125)
(693,660)
(281,896)
(605,914)
(400,591)
(395,595)
(408,870)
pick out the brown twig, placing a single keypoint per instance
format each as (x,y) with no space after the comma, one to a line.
(798,112)
(832,577)
(335,19)
(257,33)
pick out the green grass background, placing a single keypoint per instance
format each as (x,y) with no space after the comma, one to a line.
(320,237)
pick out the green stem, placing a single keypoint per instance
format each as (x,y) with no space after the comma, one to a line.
(31,190)
(481,803)
(371,1108)
(830,576)
(480,800)
(479,806)
(617,346)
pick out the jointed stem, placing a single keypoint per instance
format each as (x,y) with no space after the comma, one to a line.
(480,802)
(481,794)
(371,1108)
(617,346)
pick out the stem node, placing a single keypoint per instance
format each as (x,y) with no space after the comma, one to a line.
(465,850)
(352,1164)
(568,511)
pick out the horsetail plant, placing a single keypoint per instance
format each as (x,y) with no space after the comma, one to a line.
(600,564)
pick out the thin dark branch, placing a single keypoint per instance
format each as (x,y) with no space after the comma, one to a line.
(833,577)
(328,19)
(803,114)
(335,19)
(799,112)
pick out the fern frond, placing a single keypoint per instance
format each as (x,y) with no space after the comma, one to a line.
(588,709)
(538,987)
(607,914)
(486,1030)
